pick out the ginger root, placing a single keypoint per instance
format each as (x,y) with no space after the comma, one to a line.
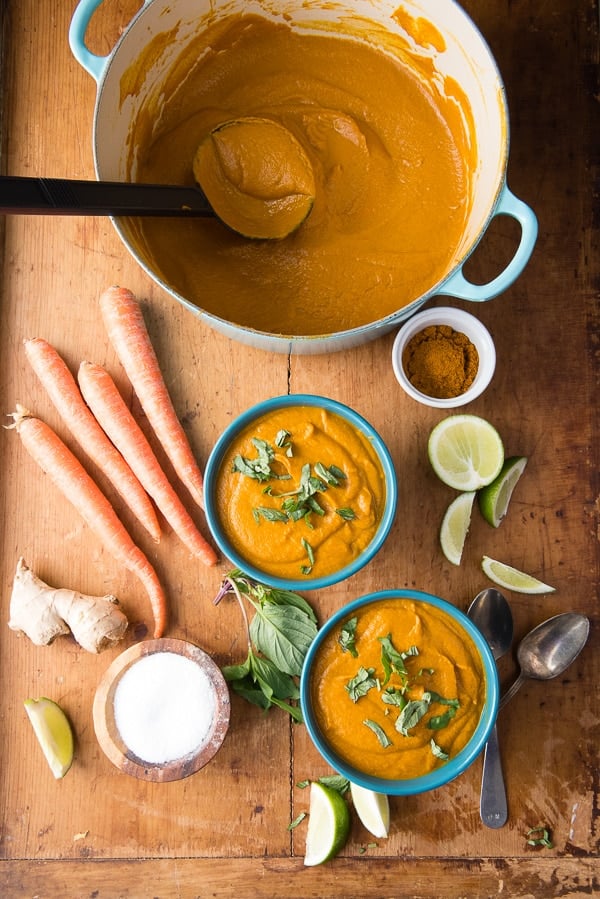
(43,613)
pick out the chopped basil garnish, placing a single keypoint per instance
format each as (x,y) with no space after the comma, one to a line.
(268,513)
(379,732)
(346,513)
(347,637)
(541,838)
(361,683)
(437,751)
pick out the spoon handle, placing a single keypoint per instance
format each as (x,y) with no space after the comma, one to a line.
(492,807)
(511,691)
(61,196)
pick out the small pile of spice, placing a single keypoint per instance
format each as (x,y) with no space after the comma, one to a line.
(440,361)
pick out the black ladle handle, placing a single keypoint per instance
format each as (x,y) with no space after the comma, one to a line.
(60,196)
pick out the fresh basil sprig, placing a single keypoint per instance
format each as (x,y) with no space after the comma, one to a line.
(281,630)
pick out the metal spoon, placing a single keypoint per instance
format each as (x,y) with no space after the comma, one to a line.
(549,649)
(491,613)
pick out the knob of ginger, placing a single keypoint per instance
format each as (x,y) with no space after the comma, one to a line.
(43,613)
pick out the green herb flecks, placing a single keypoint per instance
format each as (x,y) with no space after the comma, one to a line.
(299,504)
(297,820)
(379,732)
(306,569)
(279,635)
(438,752)
(361,683)
(539,836)
(347,637)
(393,661)
(259,468)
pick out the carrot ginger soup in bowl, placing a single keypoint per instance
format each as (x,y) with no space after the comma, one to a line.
(399,692)
(300,492)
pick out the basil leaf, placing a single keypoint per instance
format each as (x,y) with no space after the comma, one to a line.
(392,696)
(269,514)
(337,472)
(435,697)
(346,513)
(411,714)
(335,782)
(331,475)
(275,684)
(294,711)
(347,637)
(287,598)
(247,689)
(438,751)
(282,438)
(361,683)
(379,732)
(542,840)
(392,660)
(438,722)
(296,821)
(283,633)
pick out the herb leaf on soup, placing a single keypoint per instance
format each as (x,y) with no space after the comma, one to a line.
(361,683)
(347,637)
(379,732)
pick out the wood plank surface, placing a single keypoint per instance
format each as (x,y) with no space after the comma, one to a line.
(224,831)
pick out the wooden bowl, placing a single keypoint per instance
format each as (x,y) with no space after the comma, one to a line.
(110,739)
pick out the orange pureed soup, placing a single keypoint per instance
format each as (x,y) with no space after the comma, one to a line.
(300,491)
(398,689)
(391,158)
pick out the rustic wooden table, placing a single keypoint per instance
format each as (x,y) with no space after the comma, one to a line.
(224,831)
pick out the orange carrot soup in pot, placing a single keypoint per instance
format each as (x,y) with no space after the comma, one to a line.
(388,154)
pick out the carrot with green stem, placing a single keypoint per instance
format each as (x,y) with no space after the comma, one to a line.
(129,336)
(62,389)
(71,478)
(102,396)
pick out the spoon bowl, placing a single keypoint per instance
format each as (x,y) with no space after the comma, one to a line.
(548,650)
(491,613)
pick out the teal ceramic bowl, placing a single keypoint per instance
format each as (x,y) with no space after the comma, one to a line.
(212,510)
(450,769)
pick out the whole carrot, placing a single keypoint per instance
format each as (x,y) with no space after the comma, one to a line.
(62,389)
(102,396)
(71,478)
(129,336)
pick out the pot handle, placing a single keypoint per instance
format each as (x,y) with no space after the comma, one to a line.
(91,62)
(458,286)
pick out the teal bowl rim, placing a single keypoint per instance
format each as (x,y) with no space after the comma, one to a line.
(214,462)
(454,767)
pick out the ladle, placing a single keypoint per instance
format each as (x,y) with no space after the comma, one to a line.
(549,649)
(251,173)
(491,613)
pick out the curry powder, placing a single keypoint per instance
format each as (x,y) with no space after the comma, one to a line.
(440,361)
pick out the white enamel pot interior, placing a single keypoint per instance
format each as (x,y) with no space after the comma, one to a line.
(161,30)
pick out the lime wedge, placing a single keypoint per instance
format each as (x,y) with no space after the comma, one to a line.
(465,452)
(54,734)
(455,525)
(373,809)
(512,578)
(328,824)
(494,499)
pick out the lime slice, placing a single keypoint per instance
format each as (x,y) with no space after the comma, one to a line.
(512,578)
(455,525)
(328,824)
(373,809)
(54,734)
(494,499)
(465,452)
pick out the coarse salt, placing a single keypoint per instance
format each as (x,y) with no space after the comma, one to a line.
(164,705)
